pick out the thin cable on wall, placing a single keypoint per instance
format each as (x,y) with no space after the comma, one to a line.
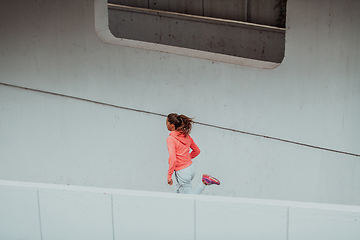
(164,115)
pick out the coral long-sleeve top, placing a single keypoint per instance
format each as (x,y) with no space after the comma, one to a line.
(179,147)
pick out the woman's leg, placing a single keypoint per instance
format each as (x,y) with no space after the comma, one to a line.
(184,178)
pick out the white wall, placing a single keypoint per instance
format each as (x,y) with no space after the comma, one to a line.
(45,211)
(312,98)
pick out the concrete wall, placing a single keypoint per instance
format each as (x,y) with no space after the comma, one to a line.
(41,211)
(311,98)
(256,11)
(204,34)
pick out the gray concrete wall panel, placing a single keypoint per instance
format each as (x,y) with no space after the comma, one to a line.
(234,39)
(233,9)
(132,3)
(263,12)
(256,11)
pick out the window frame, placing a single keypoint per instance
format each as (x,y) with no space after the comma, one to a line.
(103,32)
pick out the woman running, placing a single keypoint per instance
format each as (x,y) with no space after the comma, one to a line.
(179,143)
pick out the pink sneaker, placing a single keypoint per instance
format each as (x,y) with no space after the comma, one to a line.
(208,180)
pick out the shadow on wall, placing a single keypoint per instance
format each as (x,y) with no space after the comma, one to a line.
(264,12)
(233,36)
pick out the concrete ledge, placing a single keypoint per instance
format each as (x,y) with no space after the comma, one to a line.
(74,214)
(329,224)
(158,217)
(49,211)
(235,220)
(19,212)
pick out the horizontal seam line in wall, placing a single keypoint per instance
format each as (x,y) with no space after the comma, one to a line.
(163,115)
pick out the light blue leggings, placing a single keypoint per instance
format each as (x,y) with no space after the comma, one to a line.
(184,178)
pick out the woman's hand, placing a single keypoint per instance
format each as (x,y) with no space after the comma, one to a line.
(170,182)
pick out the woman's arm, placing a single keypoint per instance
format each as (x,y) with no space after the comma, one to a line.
(172,157)
(195,149)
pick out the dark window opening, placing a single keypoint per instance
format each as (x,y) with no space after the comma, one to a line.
(253,29)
